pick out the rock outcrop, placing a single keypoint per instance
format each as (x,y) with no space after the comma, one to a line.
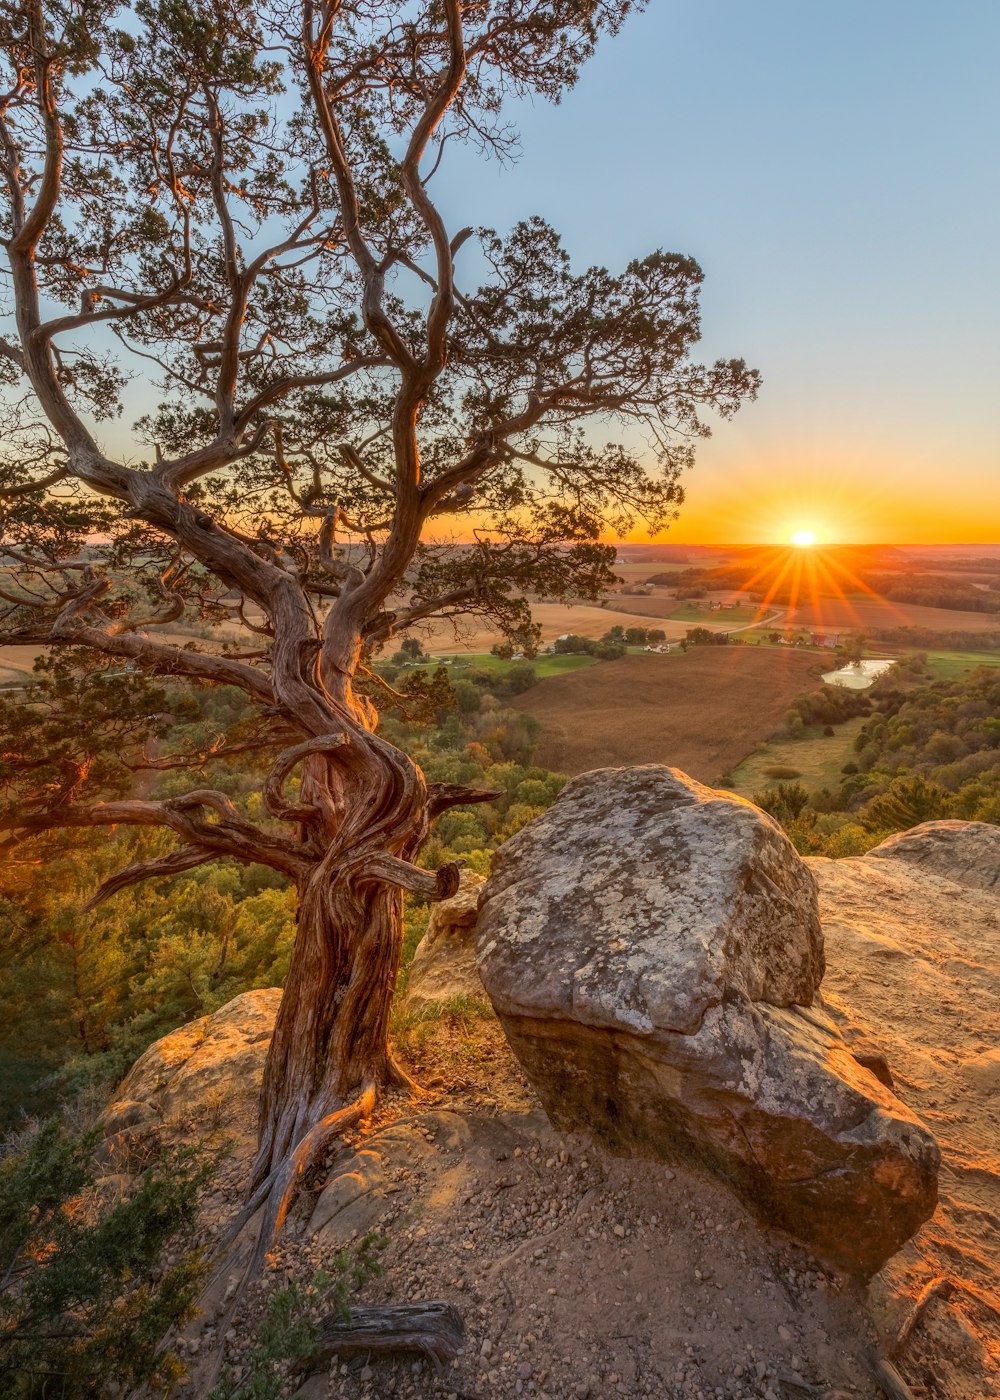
(964,853)
(209,1068)
(444,965)
(912,935)
(654,951)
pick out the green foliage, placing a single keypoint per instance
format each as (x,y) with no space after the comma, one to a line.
(906,802)
(85,1299)
(290,1329)
(929,751)
(609,648)
(785,801)
(86,993)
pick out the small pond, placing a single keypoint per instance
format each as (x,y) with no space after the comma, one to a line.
(859,675)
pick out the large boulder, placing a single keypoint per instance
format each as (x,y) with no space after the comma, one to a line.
(444,965)
(208,1070)
(654,951)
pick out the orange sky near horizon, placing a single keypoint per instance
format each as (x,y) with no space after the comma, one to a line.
(732,497)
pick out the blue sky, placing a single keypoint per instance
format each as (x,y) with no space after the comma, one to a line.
(834,168)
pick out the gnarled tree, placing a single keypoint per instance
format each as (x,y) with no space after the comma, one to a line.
(219,216)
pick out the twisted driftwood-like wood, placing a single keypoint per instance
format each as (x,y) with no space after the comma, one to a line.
(436,1330)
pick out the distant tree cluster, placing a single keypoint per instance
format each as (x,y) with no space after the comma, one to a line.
(933,639)
(925,753)
(603,649)
(936,591)
(635,636)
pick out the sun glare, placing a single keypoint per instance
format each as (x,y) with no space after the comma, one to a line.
(804,538)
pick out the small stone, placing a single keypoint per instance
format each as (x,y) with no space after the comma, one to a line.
(524,1371)
(487,1347)
(784,1333)
(620,1231)
(366,1373)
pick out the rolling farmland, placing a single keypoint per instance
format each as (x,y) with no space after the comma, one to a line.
(701,711)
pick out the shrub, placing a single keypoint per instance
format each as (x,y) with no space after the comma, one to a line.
(289,1332)
(785,802)
(83,1301)
(778,771)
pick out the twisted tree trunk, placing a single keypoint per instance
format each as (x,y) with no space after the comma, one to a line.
(329,1055)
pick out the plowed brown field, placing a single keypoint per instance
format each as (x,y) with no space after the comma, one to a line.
(871,614)
(701,711)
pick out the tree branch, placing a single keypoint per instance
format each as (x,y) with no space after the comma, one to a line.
(185,858)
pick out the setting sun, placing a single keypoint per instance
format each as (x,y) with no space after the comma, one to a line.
(804,538)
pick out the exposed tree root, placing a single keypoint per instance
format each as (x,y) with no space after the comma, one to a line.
(398,1078)
(279,1188)
(942,1287)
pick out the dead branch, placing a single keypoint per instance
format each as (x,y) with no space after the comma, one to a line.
(441,796)
(434,1329)
(186,858)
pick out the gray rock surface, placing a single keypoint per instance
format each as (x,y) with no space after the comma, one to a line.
(966,853)
(653,949)
(444,965)
(642,899)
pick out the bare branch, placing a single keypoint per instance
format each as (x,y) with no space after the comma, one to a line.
(185,858)
(430,884)
(272,791)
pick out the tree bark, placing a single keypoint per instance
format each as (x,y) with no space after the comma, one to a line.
(330,1043)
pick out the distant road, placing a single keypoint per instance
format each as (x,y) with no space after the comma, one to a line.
(761,622)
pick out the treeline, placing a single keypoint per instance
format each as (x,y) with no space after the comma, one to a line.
(928,590)
(935,639)
(936,591)
(925,753)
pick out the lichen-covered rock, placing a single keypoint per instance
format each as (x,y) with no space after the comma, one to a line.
(653,949)
(444,965)
(642,899)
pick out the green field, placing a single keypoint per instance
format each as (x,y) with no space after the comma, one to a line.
(950,665)
(690,612)
(817,759)
(542,665)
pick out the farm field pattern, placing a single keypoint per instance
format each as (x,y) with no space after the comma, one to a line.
(702,710)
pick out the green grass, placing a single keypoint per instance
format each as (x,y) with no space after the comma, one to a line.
(691,612)
(950,665)
(818,759)
(543,665)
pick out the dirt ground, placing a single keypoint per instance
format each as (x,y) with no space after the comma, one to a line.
(578,1276)
(701,711)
